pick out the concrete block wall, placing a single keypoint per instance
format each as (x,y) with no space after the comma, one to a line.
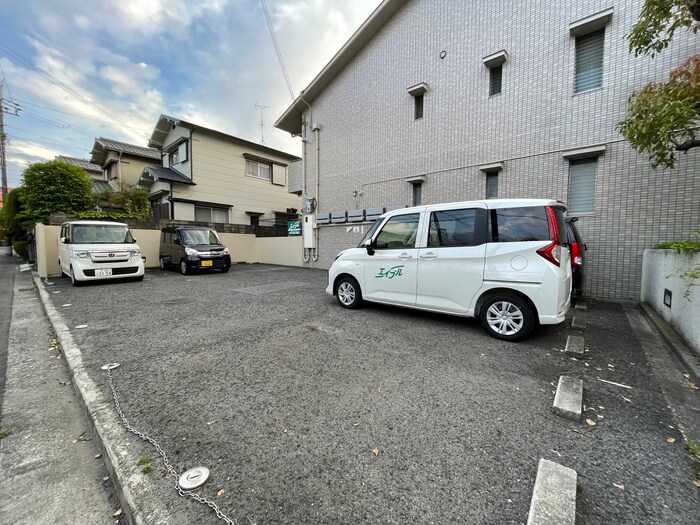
(370,144)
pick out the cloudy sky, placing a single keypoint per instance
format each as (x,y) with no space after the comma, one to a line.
(80,70)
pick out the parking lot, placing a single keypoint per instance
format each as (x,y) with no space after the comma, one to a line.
(305,412)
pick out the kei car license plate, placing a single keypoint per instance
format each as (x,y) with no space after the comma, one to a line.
(207,263)
(106,272)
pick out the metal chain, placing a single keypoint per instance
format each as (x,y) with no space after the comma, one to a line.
(169,468)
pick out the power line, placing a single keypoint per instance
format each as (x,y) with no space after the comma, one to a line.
(49,108)
(60,84)
(277,48)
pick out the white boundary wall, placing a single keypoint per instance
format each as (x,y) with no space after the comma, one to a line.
(660,270)
(245,248)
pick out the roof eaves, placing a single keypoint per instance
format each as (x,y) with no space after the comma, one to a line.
(290,120)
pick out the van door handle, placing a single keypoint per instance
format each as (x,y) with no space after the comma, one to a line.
(429,255)
(405,256)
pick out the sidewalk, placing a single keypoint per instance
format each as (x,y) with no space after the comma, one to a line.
(51,471)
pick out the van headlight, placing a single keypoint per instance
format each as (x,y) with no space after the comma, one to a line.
(191,252)
(134,253)
(226,252)
(82,254)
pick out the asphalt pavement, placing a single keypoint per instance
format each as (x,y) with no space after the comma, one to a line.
(308,413)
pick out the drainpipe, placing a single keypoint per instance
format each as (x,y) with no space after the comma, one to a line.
(172,204)
(119,169)
(305,256)
(317,130)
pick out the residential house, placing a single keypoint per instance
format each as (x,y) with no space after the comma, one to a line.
(94,171)
(209,176)
(123,163)
(436,101)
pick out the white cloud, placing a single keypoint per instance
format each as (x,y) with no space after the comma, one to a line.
(207,61)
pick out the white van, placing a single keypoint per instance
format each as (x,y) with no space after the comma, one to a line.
(94,250)
(504,261)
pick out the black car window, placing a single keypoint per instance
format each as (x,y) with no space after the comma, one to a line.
(519,224)
(452,228)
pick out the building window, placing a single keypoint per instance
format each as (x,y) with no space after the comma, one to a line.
(207,214)
(174,158)
(418,106)
(492,185)
(417,194)
(495,80)
(417,93)
(178,154)
(581,197)
(259,170)
(255,220)
(589,61)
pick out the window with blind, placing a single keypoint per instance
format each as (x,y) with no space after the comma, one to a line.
(589,61)
(207,214)
(492,185)
(418,106)
(582,186)
(495,80)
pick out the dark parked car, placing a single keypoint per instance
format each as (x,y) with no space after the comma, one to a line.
(578,256)
(193,248)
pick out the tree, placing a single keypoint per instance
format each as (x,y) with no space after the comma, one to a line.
(662,119)
(54,187)
(9,214)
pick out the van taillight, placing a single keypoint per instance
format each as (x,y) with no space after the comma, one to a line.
(554,233)
(576,256)
(551,252)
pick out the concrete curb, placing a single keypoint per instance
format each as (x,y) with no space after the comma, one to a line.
(686,355)
(579,321)
(568,401)
(554,496)
(108,433)
(574,346)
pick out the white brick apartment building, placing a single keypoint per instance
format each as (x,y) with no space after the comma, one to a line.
(443,100)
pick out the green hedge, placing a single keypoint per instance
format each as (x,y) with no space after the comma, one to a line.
(21,248)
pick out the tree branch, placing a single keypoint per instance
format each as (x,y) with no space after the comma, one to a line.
(688,144)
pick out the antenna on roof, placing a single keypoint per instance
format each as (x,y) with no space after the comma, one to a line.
(262,125)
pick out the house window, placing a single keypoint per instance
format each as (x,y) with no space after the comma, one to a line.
(418,106)
(581,197)
(255,220)
(417,194)
(589,61)
(492,185)
(258,170)
(207,214)
(417,93)
(495,80)
(179,154)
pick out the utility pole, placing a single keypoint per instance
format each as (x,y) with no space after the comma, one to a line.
(262,128)
(3,161)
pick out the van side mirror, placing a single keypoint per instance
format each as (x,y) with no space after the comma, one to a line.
(369,247)
(176,240)
(64,240)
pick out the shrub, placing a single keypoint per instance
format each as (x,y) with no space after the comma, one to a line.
(21,248)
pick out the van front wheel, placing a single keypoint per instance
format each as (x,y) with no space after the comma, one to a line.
(348,293)
(507,317)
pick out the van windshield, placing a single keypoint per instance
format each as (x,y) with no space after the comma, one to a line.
(101,234)
(203,236)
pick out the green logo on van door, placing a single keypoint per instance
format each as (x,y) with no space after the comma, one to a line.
(396,271)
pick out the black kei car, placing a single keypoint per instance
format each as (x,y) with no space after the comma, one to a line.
(578,256)
(193,248)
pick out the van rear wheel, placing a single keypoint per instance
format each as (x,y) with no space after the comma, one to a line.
(348,293)
(507,317)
